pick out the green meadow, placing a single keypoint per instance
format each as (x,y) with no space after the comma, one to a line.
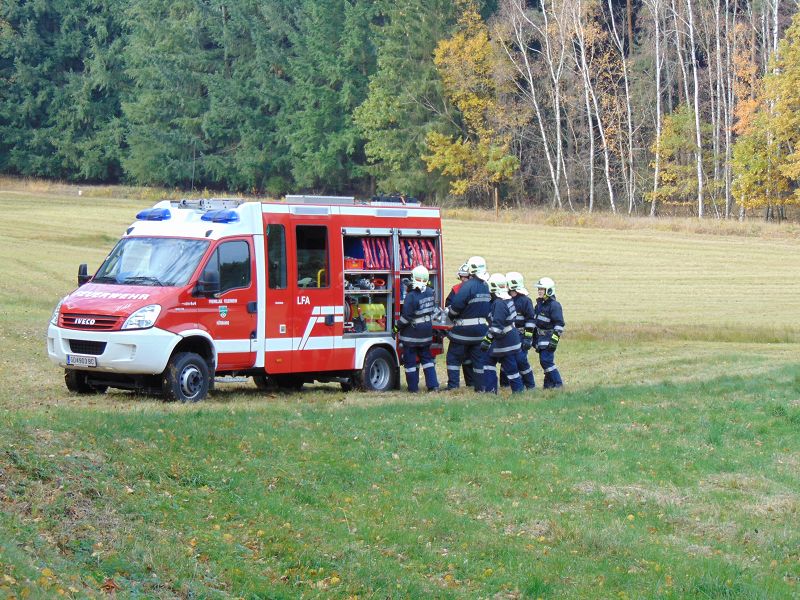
(668,467)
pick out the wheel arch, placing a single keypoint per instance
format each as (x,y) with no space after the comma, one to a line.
(200,343)
(363,348)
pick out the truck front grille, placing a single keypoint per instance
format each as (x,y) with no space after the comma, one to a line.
(87,347)
(89,322)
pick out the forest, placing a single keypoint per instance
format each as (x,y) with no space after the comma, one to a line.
(641,107)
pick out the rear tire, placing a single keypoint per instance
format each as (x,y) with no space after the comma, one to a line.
(380,372)
(78,383)
(186,378)
(291,383)
(264,383)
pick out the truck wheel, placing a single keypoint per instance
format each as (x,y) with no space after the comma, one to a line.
(289,382)
(265,383)
(186,378)
(380,371)
(78,383)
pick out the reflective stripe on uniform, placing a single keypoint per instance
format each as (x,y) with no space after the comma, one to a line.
(466,322)
(421,320)
(543,319)
(464,338)
(514,376)
(416,340)
(526,371)
(502,331)
(411,369)
(549,369)
(453,368)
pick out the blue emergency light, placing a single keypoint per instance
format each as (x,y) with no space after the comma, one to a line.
(154,214)
(221,216)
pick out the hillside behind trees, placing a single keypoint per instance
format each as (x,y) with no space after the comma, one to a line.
(638,107)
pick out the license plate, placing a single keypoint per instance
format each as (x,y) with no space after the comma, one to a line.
(81,361)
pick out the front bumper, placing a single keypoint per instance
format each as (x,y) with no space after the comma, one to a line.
(139,352)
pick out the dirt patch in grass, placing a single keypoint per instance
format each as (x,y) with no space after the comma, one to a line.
(666,496)
(778,506)
(737,482)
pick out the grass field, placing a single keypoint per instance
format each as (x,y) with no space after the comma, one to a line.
(669,467)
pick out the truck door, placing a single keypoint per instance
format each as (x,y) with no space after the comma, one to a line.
(318,310)
(230,318)
(278,327)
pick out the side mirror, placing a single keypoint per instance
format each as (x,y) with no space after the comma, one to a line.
(83,274)
(208,285)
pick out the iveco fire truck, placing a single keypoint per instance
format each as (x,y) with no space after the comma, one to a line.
(287,292)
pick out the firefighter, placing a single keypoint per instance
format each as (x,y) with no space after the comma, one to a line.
(415,328)
(468,310)
(525,325)
(502,340)
(549,319)
(466,366)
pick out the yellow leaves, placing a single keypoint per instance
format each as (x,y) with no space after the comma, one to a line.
(466,63)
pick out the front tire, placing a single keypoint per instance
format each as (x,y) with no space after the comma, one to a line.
(380,372)
(186,378)
(78,383)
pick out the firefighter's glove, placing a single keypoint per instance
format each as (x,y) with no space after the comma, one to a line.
(527,341)
(553,341)
(395,328)
(485,343)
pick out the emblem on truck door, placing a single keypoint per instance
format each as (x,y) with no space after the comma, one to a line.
(223,311)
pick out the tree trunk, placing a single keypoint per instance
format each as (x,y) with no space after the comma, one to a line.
(698,132)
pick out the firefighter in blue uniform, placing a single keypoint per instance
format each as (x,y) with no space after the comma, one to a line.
(466,366)
(502,340)
(468,310)
(415,329)
(549,319)
(525,325)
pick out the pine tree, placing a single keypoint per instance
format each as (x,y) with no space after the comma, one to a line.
(62,82)
(330,60)
(406,99)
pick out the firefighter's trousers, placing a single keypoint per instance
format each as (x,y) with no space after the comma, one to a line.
(412,354)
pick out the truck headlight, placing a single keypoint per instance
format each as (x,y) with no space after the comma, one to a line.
(143,318)
(56,310)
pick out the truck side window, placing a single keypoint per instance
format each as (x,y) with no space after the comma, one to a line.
(276,257)
(232,259)
(312,256)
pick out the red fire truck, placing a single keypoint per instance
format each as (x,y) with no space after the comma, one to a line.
(286,292)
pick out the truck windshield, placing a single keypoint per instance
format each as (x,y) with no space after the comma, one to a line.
(152,261)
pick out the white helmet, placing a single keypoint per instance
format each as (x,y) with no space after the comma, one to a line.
(419,278)
(516,283)
(476,266)
(498,286)
(548,285)
(463,271)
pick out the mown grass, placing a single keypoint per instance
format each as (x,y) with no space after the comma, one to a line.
(669,468)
